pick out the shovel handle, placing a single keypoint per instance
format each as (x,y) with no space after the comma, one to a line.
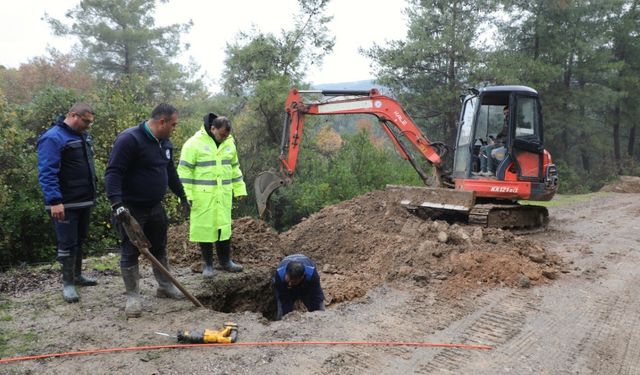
(139,240)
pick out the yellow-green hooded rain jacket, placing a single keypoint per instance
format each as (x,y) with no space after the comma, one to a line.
(211,177)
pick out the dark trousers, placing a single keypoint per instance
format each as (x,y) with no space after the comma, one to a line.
(72,231)
(154,224)
(220,245)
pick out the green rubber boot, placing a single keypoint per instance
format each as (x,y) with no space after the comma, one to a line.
(207,258)
(79,278)
(223,249)
(69,292)
(166,289)
(131,278)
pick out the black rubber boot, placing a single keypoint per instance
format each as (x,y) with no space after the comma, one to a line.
(131,278)
(166,289)
(223,249)
(207,257)
(79,278)
(69,292)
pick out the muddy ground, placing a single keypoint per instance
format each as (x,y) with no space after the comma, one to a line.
(559,301)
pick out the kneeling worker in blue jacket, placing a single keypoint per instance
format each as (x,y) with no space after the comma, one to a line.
(296,278)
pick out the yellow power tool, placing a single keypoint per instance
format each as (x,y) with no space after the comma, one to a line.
(228,334)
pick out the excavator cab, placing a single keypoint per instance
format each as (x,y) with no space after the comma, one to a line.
(509,120)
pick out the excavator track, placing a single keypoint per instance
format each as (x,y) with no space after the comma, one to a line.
(456,205)
(511,216)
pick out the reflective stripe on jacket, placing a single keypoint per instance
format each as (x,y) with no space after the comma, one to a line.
(211,177)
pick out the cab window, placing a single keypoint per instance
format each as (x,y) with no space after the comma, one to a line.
(490,121)
(467,123)
(527,118)
(462,155)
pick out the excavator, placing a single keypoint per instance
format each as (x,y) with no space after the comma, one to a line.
(523,171)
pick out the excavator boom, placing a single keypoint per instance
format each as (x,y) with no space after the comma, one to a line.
(394,120)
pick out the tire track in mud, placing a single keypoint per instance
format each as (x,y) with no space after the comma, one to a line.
(581,326)
(614,347)
(557,340)
(589,335)
(496,324)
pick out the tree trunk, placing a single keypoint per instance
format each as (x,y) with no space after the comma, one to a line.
(452,77)
(585,141)
(127,61)
(616,135)
(536,38)
(586,162)
(632,141)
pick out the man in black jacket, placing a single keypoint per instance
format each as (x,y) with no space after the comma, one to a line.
(139,170)
(67,178)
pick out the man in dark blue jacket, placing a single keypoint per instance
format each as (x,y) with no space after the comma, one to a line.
(296,278)
(139,170)
(67,178)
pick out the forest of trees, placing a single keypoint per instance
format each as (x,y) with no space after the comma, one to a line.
(583,57)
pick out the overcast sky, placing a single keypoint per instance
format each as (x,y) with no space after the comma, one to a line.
(356,23)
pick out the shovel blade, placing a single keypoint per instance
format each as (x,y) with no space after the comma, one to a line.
(264,185)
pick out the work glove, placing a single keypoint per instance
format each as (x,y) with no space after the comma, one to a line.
(185,207)
(120,212)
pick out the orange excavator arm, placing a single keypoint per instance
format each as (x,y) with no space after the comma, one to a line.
(392,117)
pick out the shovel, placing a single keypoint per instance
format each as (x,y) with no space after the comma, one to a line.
(139,240)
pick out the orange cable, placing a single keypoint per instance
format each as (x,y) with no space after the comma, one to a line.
(264,343)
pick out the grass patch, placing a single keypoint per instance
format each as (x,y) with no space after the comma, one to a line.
(109,262)
(566,199)
(14,343)
(5,304)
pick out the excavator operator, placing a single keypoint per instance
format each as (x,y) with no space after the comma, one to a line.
(492,153)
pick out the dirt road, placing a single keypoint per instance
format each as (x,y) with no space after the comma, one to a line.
(584,323)
(581,318)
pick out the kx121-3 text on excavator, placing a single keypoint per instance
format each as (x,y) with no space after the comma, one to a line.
(523,168)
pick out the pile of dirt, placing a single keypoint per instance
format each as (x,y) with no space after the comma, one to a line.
(365,242)
(254,243)
(370,240)
(625,184)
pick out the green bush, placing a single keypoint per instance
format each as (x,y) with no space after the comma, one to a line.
(357,168)
(24,225)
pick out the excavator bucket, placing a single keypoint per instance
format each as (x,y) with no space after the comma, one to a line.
(264,185)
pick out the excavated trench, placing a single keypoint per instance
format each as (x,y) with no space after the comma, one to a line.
(250,290)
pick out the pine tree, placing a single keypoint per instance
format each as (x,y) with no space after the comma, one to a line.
(119,38)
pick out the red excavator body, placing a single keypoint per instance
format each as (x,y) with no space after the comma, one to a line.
(523,170)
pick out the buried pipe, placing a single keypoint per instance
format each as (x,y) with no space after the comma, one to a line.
(253,344)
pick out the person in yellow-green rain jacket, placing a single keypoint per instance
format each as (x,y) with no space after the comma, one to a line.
(211,176)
